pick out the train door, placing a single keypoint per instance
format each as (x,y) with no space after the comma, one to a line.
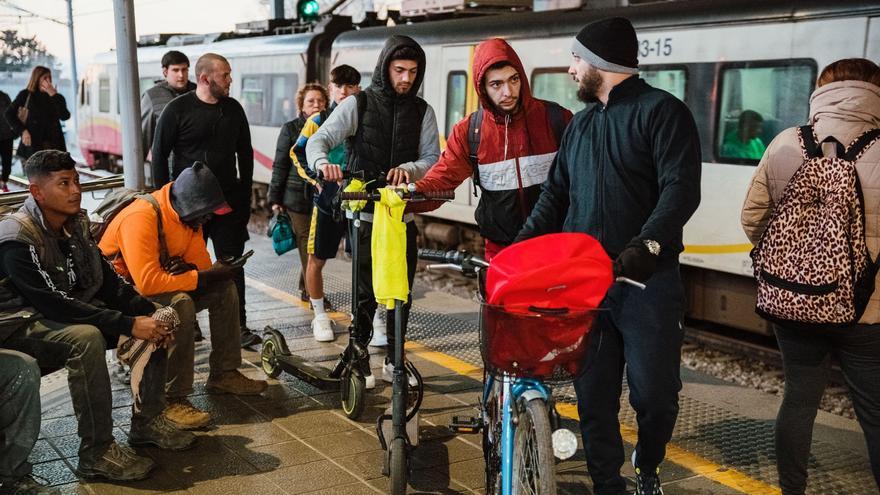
(455,100)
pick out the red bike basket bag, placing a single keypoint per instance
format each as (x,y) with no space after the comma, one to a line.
(541,300)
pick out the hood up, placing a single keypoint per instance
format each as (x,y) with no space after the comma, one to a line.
(489,53)
(381,82)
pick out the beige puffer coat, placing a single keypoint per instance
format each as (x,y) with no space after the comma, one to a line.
(844,110)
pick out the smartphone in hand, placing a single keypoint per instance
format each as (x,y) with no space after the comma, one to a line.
(241,260)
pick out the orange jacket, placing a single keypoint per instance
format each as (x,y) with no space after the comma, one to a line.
(133,233)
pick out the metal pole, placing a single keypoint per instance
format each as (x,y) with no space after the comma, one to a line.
(127,75)
(73,76)
(278,9)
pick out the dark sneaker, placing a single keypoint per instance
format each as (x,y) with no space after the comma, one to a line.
(233,382)
(159,432)
(197,333)
(117,464)
(185,416)
(647,482)
(249,338)
(26,485)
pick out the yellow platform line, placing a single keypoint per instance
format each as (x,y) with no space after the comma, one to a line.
(699,465)
(717,248)
(289,298)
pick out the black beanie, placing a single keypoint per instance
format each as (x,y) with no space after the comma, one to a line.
(609,44)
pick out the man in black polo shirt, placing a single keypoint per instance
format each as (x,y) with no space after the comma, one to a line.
(207,125)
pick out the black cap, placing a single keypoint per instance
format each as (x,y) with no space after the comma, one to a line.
(609,44)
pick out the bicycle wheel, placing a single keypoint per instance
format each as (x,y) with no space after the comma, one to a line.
(351,392)
(398,466)
(534,471)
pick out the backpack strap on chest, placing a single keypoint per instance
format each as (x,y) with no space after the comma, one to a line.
(163,244)
(473,137)
(809,147)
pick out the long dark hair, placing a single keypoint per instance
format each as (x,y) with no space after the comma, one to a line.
(39,71)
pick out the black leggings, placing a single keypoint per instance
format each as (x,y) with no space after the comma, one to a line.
(804,355)
(6,158)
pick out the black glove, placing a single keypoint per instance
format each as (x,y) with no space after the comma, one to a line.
(635,262)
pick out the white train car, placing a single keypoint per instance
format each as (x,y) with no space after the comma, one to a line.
(759,56)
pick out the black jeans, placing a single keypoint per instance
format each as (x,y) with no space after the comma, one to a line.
(6,158)
(228,233)
(19,412)
(366,307)
(804,356)
(642,330)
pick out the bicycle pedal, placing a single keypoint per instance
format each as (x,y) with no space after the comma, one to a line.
(466,424)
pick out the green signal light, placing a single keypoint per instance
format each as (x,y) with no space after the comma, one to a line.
(308,9)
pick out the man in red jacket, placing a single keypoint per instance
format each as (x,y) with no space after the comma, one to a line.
(518,138)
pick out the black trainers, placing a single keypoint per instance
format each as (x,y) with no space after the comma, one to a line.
(249,338)
(647,483)
(159,432)
(117,464)
(26,485)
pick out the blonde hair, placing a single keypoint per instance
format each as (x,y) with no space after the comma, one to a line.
(39,71)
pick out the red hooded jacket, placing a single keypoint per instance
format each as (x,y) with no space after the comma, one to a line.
(514,156)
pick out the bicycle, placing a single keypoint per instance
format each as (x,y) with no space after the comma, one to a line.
(520,427)
(397,448)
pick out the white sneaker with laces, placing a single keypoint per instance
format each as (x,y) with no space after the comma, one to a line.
(322,328)
(388,375)
(370,381)
(380,336)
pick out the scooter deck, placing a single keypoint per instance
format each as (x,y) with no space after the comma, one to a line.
(308,372)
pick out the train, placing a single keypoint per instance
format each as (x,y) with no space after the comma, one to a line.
(761,56)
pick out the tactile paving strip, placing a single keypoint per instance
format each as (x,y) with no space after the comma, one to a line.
(706,430)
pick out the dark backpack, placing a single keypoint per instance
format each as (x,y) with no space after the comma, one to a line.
(812,263)
(112,204)
(475,120)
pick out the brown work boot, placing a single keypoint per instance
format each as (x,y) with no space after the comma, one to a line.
(233,382)
(185,416)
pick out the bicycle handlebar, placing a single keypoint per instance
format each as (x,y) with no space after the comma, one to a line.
(466,263)
(406,195)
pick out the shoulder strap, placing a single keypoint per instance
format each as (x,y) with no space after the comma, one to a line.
(557,120)
(163,245)
(861,144)
(473,137)
(809,145)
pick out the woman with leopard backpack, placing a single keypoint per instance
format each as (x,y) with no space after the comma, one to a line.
(814,202)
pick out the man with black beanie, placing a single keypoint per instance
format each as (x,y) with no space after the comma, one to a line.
(627,173)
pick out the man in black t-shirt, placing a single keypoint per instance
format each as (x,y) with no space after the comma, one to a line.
(207,125)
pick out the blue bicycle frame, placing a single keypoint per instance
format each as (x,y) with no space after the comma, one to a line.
(512,390)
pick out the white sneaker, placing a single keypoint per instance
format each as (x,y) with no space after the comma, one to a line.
(370,381)
(380,336)
(322,328)
(388,375)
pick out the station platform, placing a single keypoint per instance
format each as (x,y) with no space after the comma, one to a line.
(295,440)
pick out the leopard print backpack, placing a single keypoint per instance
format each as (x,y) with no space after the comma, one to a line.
(812,263)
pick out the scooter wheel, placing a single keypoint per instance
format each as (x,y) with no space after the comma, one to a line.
(269,357)
(352,394)
(397,460)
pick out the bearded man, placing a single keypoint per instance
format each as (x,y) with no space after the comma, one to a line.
(627,173)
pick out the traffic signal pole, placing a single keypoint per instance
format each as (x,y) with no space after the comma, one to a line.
(129,100)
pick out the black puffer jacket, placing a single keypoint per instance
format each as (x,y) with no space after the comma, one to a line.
(287,187)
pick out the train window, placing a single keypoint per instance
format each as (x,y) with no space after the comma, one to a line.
(758,101)
(673,80)
(252,98)
(104,95)
(456,98)
(282,99)
(556,85)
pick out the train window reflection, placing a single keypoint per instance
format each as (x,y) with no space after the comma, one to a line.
(252,98)
(673,81)
(456,96)
(758,101)
(104,95)
(282,104)
(556,85)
